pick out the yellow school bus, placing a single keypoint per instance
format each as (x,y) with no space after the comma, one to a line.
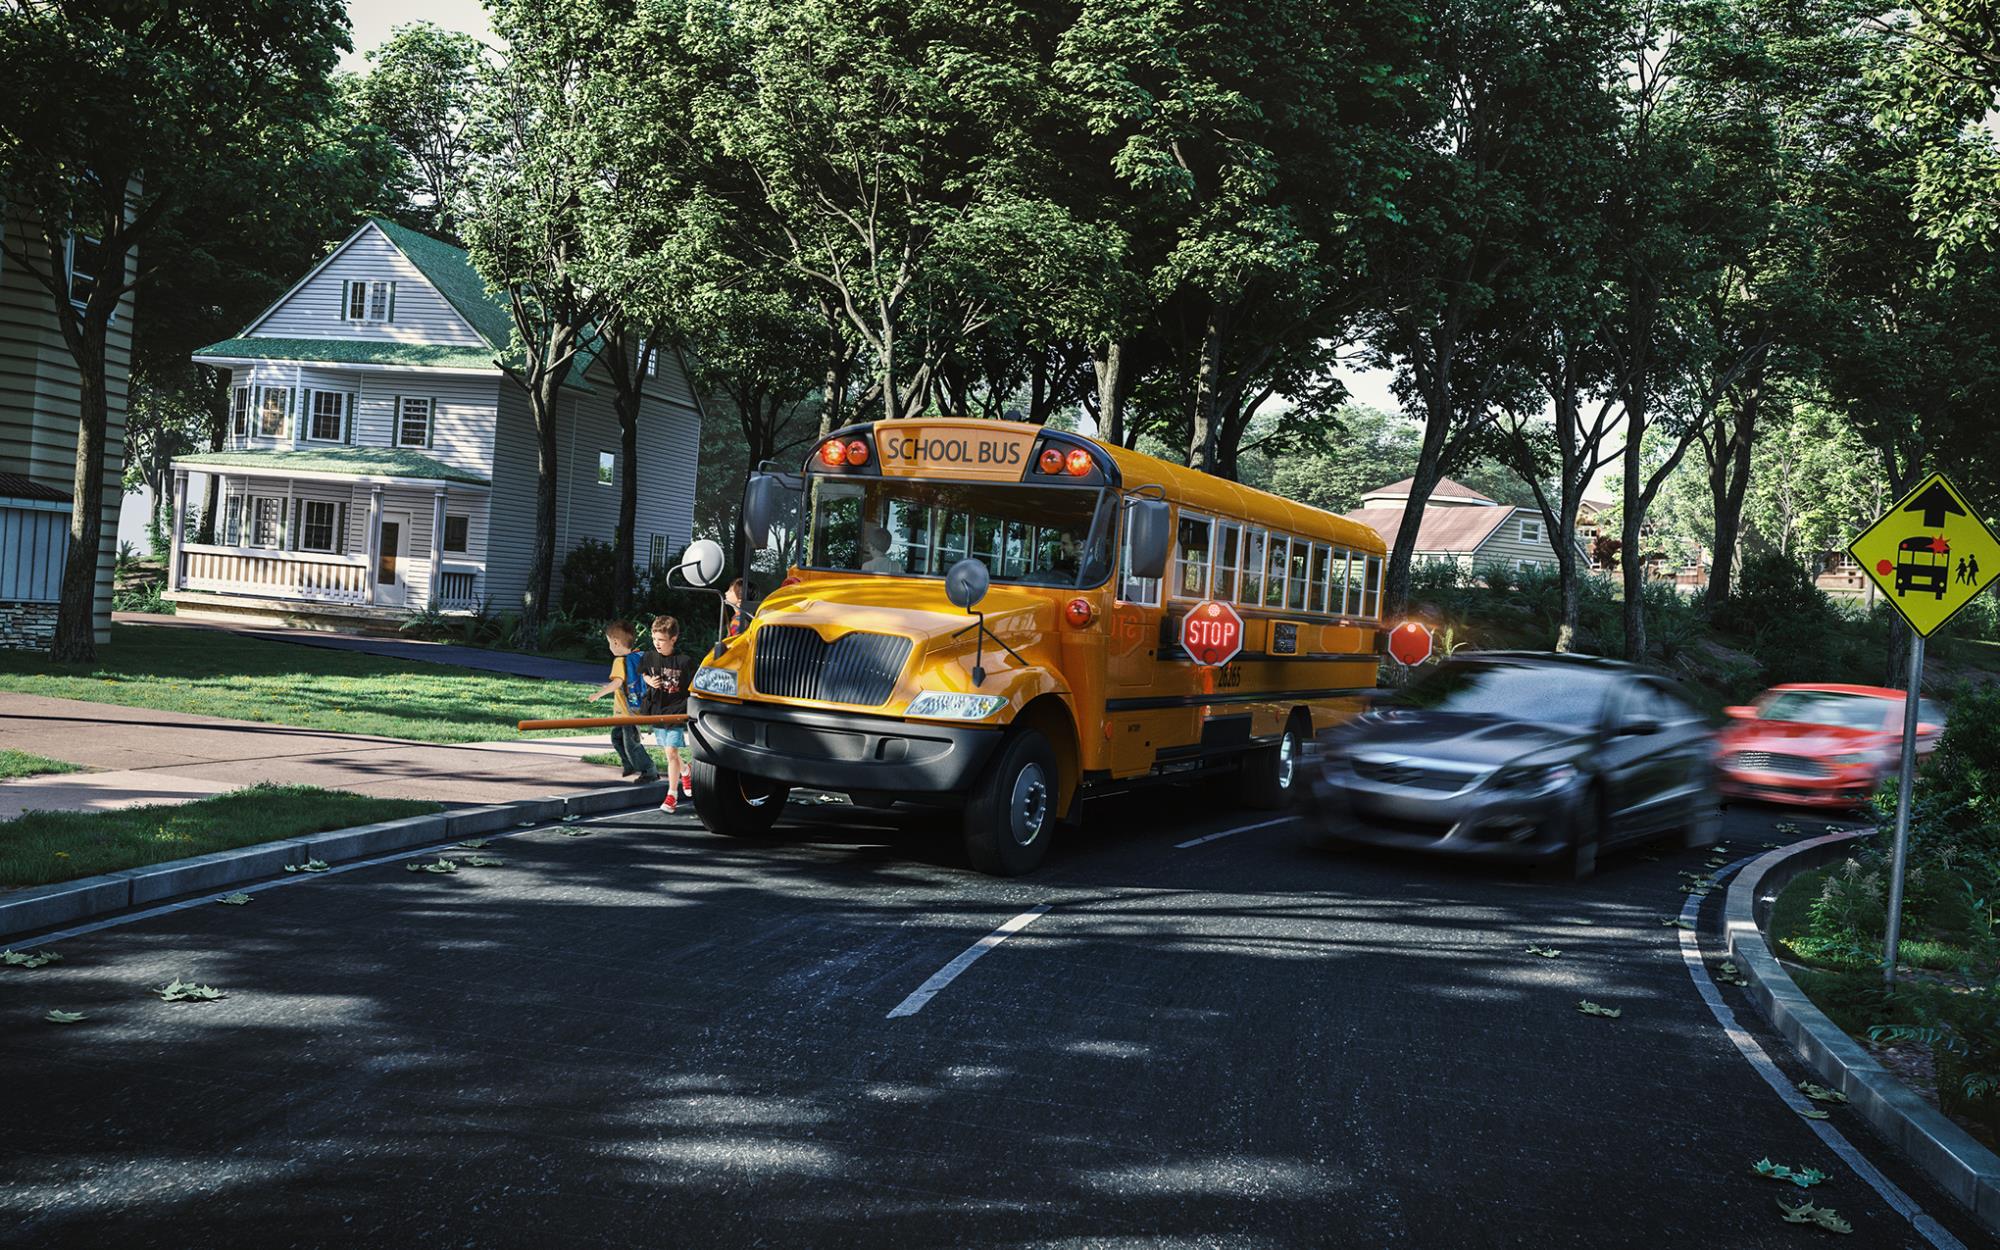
(888,668)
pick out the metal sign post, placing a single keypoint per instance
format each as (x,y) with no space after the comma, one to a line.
(1903,777)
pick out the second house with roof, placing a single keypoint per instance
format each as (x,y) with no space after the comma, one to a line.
(379,462)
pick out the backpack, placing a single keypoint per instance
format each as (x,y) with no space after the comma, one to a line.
(635,685)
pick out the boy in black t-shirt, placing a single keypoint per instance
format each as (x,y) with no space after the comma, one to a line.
(667,673)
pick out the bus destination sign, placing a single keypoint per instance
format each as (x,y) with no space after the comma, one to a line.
(961,450)
(1212,633)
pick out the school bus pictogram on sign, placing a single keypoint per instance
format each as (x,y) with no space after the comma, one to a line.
(1930,554)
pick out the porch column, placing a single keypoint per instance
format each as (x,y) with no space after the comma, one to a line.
(437,542)
(174,535)
(374,541)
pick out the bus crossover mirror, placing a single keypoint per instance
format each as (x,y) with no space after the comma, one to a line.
(966,583)
(1149,537)
(702,562)
(764,498)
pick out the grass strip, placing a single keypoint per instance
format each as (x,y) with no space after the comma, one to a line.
(22,764)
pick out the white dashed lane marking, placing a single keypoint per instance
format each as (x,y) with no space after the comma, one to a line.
(946,975)
(1226,833)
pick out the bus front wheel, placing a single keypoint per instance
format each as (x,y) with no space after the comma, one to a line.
(1012,809)
(1271,776)
(732,804)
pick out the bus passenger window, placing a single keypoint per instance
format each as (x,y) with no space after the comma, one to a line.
(1230,537)
(1132,589)
(1371,594)
(1191,580)
(1317,600)
(1253,569)
(1342,598)
(1295,596)
(1274,585)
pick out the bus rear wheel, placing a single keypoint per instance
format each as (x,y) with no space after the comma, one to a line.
(1271,775)
(1012,809)
(732,804)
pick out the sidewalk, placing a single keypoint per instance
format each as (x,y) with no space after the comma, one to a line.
(167,757)
(512,663)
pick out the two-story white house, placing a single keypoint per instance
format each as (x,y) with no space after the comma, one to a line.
(1461,525)
(379,462)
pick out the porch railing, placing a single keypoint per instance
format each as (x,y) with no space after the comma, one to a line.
(276,574)
(458,588)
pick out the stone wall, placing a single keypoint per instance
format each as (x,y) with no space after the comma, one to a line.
(27,626)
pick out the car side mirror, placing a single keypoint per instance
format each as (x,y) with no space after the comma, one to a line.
(1740,713)
(1639,728)
(1149,538)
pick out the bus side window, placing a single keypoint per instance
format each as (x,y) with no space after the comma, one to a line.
(1316,601)
(1226,551)
(1252,593)
(1371,593)
(1191,576)
(1295,596)
(1131,589)
(1274,585)
(1341,596)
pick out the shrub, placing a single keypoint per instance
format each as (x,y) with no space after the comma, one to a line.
(589,572)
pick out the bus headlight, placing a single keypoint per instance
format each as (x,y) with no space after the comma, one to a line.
(944,705)
(716,681)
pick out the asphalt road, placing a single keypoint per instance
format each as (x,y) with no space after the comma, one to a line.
(645,1036)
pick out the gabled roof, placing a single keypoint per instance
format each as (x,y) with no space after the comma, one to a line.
(450,270)
(344,461)
(1443,531)
(351,351)
(1445,487)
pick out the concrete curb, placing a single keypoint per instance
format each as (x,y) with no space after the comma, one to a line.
(52,906)
(1947,1153)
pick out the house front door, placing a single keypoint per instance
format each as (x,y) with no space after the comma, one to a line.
(392,560)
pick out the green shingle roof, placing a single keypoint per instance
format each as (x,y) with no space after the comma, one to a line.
(352,461)
(450,270)
(353,351)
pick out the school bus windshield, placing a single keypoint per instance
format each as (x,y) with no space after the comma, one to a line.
(1027,535)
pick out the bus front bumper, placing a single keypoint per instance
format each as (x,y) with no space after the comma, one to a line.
(840,751)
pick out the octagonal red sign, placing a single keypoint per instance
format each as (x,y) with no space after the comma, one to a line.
(1410,643)
(1212,633)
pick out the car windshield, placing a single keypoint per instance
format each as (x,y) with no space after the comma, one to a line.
(1825,707)
(1546,694)
(1028,535)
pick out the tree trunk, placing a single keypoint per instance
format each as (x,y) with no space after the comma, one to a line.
(1729,483)
(1430,469)
(76,626)
(625,542)
(544,391)
(1634,559)
(833,393)
(1112,367)
(1207,397)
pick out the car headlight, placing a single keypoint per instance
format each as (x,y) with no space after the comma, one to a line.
(945,705)
(716,681)
(1534,781)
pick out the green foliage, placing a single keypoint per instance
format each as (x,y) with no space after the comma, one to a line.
(419,93)
(23,764)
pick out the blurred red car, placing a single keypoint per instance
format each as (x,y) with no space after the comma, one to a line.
(1818,745)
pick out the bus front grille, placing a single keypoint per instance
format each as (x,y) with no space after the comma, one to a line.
(793,662)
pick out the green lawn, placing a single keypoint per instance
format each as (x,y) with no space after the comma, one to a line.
(22,764)
(43,847)
(217,674)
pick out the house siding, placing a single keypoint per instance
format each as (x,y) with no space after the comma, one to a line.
(40,392)
(1506,546)
(463,408)
(314,310)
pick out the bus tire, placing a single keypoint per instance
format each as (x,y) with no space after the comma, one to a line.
(1011,811)
(732,804)
(1272,776)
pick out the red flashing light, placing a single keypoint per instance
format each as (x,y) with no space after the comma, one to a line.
(1079,463)
(1051,460)
(857,453)
(1079,613)
(833,452)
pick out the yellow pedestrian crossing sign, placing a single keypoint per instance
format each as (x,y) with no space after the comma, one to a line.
(1930,554)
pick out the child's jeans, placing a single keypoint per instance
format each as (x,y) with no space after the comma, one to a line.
(632,751)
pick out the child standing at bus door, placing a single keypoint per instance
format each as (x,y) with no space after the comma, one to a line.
(623,641)
(667,673)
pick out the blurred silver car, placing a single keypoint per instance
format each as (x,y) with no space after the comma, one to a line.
(1521,756)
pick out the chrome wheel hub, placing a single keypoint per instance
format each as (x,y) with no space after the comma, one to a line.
(1287,760)
(1028,805)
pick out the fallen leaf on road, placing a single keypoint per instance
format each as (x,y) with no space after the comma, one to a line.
(1772,846)
(1728,974)
(179,991)
(472,844)
(1813,1113)
(480,861)
(1546,952)
(577,832)
(1786,826)
(1675,922)
(311,865)
(1699,891)
(58,1016)
(1580,920)
(1807,1213)
(234,900)
(20,959)
(1804,1178)
(1820,1093)
(436,865)
(1589,1008)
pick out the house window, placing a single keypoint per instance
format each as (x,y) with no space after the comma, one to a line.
(454,533)
(268,523)
(329,417)
(239,413)
(1191,574)
(317,519)
(653,362)
(370,301)
(84,260)
(232,521)
(1531,530)
(413,422)
(607,468)
(656,554)
(272,407)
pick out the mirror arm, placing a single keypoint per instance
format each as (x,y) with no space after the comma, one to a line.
(979,646)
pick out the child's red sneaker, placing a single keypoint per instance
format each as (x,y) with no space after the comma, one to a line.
(671,803)
(687,784)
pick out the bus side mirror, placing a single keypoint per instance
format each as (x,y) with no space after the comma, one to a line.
(763,503)
(702,562)
(967,582)
(1149,538)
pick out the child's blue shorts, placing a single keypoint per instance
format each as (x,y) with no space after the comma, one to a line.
(669,736)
